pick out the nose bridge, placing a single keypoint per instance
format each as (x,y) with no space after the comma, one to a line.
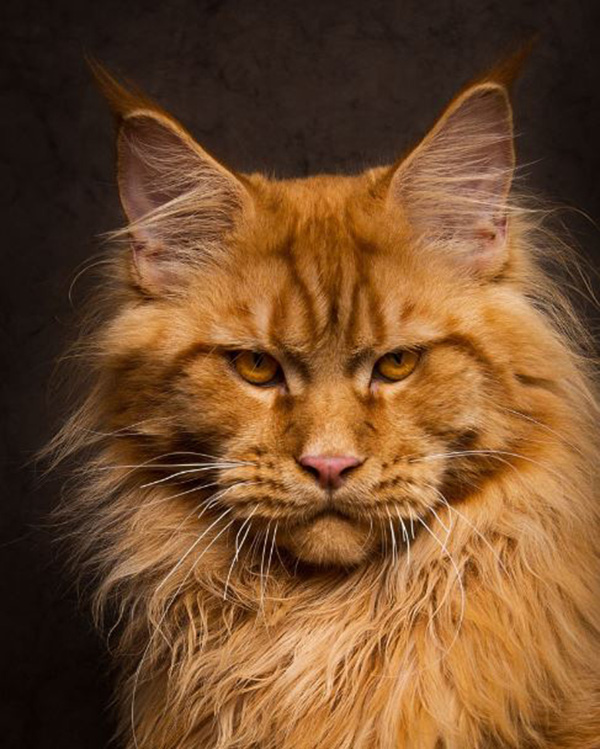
(334,411)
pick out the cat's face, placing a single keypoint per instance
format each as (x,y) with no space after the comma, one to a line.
(368,353)
(325,357)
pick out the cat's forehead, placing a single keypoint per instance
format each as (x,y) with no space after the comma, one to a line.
(315,275)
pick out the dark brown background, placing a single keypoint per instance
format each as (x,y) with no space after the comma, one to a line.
(289,87)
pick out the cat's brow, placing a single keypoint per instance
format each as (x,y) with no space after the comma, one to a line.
(300,361)
(297,359)
(358,358)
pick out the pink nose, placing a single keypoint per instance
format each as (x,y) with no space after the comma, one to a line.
(330,470)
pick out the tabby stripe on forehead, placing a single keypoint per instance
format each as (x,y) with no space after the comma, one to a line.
(304,291)
(378,323)
(364,286)
(278,317)
(352,319)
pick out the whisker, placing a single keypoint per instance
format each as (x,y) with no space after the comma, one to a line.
(543,426)
(281,561)
(473,528)
(404,536)
(151,462)
(394,543)
(134,467)
(262,567)
(163,465)
(272,548)
(498,454)
(125,430)
(462,453)
(441,522)
(170,497)
(458,579)
(253,546)
(213,500)
(192,547)
(238,548)
(182,473)
(221,458)
(384,539)
(162,500)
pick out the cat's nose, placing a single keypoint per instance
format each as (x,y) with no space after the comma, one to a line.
(329,470)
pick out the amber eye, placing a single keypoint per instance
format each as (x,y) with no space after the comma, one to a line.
(257,368)
(396,365)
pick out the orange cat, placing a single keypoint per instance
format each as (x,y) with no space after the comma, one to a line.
(340,453)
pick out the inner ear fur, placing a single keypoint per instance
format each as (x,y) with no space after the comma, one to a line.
(453,188)
(180,202)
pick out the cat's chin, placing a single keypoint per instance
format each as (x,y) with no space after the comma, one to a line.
(329,540)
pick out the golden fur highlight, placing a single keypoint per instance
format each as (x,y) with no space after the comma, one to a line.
(449,599)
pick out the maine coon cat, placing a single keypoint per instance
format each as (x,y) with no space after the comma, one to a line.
(339,454)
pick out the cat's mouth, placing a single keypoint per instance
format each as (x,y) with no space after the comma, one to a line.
(330,537)
(330,512)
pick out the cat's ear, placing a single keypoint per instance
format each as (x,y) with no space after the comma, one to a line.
(180,202)
(453,187)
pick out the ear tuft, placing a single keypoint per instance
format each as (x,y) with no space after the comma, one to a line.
(123,101)
(453,188)
(506,72)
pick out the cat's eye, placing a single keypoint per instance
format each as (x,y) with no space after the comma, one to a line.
(396,366)
(257,368)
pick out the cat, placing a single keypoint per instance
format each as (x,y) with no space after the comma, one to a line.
(339,454)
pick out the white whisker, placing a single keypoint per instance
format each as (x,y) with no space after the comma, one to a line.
(394,542)
(192,547)
(474,529)
(170,497)
(404,536)
(262,567)
(238,547)
(272,548)
(458,579)
(441,522)
(183,473)
(543,426)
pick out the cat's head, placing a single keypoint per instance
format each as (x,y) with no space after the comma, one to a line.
(339,354)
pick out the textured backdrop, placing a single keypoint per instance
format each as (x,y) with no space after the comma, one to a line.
(288,87)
